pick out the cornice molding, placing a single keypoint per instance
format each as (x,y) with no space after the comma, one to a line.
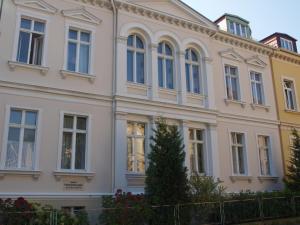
(256,61)
(81,14)
(37,4)
(286,56)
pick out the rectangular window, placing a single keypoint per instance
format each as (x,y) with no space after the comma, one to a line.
(74,142)
(238,29)
(257,88)
(136,147)
(31,41)
(21,139)
(73,210)
(196,148)
(79,50)
(238,153)
(289,94)
(264,155)
(232,83)
(287,44)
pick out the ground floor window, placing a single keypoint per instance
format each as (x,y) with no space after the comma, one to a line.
(196,148)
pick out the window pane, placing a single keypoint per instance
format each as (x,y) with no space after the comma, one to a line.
(12,148)
(140,129)
(187,74)
(253,87)
(160,72)
(81,123)
(68,122)
(80,151)
(84,36)
(130,127)
(28,148)
(139,43)
(30,118)
(15,116)
(66,153)
(72,52)
(39,26)
(200,158)
(233,71)
(264,161)
(129,65)
(196,79)
(130,161)
(241,160)
(187,54)
(25,23)
(130,40)
(194,56)
(228,88)
(239,139)
(169,71)
(234,86)
(238,29)
(231,27)
(84,59)
(140,68)
(199,135)
(192,157)
(160,47)
(36,49)
(259,94)
(140,154)
(73,34)
(191,134)
(23,47)
(168,50)
(234,161)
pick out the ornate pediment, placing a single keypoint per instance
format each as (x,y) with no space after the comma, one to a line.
(37,4)
(81,14)
(256,61)
(231,54)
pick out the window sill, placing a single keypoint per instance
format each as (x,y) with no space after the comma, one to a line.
(268,178)
(59,174)
(235,178)
(137,85)
(168,91)
(34,173)
(136,179)
(65,73)
(258,106)
(229,101)
(13,64)
(292,111)
(196,96)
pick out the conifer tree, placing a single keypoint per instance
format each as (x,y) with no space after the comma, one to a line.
(292,180)
(166,182)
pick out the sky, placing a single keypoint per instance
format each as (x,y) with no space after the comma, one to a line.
(265,16)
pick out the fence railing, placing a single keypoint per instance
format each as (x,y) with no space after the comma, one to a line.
(205,213)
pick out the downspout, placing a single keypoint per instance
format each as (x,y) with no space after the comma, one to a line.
(114,70)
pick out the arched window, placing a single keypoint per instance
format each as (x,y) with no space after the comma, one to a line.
(135,59)
(165,66)
(192,71)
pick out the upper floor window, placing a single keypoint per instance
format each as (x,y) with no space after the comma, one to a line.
(74,142)
(192,71)
(165,66)
(21,139)
(232,83)
(287,44)
(31,41)
(257,88)
(136,147)
(238,29)
(264,155)
(289,94)
(238,153)
(135,59)
(196,148)
(79,51)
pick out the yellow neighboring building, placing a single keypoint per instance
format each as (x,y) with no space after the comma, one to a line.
(286,76)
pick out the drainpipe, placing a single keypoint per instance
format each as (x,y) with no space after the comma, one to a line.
(1,8)
(114,70)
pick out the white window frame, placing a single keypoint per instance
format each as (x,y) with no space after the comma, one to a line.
(286,44)
(134,150)
(236,26)
(270,147)
(136,50)
(37,137)
(88,141)
(70,24)
(294,94)
(238,83)
(23,13)
(204,143)
(164,57)
(246,163)
(254,95)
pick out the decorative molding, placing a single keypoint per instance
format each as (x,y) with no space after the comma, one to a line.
(268,178)
(12,65)
(235,178)
(258,106)
(229,101)
(40,5)
(60,174)
(81,14)
(34,173)
(65,73)
(231,54)
(135,180)
(256,61)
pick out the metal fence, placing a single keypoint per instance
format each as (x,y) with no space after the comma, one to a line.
(206,213)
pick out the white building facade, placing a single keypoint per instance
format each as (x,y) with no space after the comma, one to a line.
(83,82)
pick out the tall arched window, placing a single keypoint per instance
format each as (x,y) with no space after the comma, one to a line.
(165,66)
(192,71)
(135,59)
